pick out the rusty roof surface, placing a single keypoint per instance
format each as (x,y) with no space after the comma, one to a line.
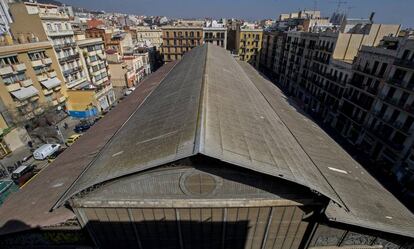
(30,206)
(212,105)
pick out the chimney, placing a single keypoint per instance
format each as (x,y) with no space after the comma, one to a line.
(371,17)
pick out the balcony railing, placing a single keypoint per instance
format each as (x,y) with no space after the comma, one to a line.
(72,70)
(401,83)
(59,32)
(6,70)
(64,45)
(69,58)
(404,63)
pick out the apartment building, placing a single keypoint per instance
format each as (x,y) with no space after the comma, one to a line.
(271,53)
(97,32)
(387,135)
(128,70)
(249,44)
(5,18)
(149,36)
(360,83)
(98,91)
(46,22)
(120,41)
(177,40)
(31,82)
(215,33)
(310,71)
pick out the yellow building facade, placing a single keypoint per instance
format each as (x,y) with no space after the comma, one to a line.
(249,44)
(30,81)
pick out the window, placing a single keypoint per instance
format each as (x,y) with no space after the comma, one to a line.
(11,60)
(406,54)
(399,75)
(382,70)
(37,56)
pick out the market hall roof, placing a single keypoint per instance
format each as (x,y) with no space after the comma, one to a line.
(210,104)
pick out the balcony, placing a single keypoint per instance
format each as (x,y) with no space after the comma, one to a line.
(67,58)
(404,63)
(6,70)
(20,67)
(92,53)
(52,74)
(42,77)
(26,83)
(54,16)
(38,111)
(47,92)
(37,63)
(75,82)
(47,61)
(21,103)
(13,87)
(59,32)
(64,45)
(72,71)
(393,101)
(384,137)
(61,99)
(401,83)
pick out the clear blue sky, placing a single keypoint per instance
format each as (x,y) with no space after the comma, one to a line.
(387,11)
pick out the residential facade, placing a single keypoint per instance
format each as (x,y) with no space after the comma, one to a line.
(177,40)
(47,22)
(96,32)
(387,72)
(249,44)
(359,83)
(215,35)
(149,36)
(100,87)
(31,82)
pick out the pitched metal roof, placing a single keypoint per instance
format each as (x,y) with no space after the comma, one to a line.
(210,104)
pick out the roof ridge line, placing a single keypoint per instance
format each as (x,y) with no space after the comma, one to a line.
(58,203)
(200,126)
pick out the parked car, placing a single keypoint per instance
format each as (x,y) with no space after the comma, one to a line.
(45,151)
(22,174)
(72,139)
(128,92)
(83,126)
(52,157)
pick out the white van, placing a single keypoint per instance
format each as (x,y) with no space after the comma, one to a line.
(45,151)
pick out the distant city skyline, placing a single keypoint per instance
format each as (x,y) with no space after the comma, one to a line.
(397,11)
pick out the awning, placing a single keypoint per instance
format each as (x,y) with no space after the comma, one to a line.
(25,93)
(51,83)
